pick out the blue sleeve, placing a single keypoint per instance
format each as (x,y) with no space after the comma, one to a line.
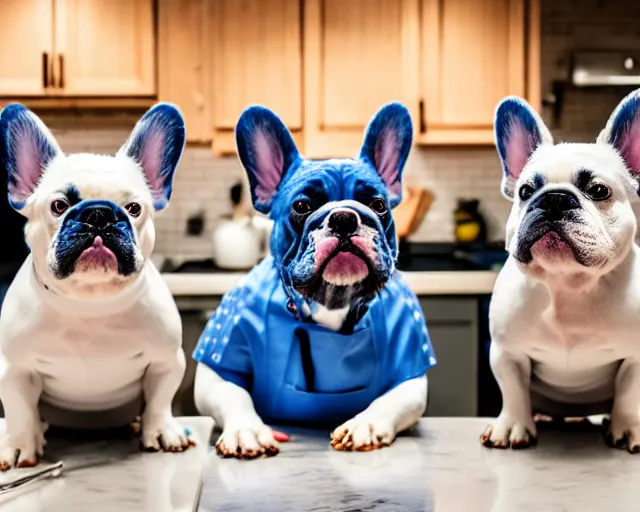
(410,353)
(222,345)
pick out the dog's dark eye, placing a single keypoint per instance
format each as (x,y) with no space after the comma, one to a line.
(59,206)
(302,207)
(134,209)
(378,206)
(526,191)
(599,192)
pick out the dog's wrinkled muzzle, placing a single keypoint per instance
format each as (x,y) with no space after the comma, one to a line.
(344,251)
(555,204)
(549,219)
(344,255)
(95,233)
(343,222)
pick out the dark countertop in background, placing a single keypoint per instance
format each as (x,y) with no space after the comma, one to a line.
(413,257)
(429,269)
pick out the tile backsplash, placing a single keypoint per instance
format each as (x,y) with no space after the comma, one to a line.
(202,182)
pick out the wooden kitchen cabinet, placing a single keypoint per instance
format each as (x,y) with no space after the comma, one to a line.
(77,48)
(184,63)
(256,59)
(218,57)
(104,47)
(25,46)
(326,66)
(472,55)
(358,55)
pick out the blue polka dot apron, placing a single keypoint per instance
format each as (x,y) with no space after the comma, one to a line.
(299,372)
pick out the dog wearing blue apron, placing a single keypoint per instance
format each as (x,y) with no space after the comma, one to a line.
(324,332)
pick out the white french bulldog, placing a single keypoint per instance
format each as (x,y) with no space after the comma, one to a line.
(88,329)
(565,312)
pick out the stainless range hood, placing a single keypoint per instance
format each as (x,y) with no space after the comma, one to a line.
(605,68)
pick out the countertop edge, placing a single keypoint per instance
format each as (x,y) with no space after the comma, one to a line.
(421,283)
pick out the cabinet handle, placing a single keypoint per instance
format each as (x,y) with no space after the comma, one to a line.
(45,69)
(423,121)
(61,65)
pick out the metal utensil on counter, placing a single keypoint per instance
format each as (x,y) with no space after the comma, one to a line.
(78,457)
(40,472)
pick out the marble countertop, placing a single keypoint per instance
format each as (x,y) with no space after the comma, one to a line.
(421,283)
(439,466)
(114,476)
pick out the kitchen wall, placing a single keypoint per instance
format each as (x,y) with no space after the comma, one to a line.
(203,181)
(569,25)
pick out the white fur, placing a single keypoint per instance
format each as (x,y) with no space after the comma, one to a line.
(563,333)
(94,341)
(330,318)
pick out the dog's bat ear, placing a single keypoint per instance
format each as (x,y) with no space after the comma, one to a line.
(622,131)
(156,144)
(386,146)
(267,152)
(519,131)
(26,148)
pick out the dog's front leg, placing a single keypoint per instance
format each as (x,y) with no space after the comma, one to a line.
(624,426)
(160,430)
(514,427)
(377,426)
(244,434)
(20,391)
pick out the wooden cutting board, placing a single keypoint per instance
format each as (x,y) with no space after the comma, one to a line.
(410,213)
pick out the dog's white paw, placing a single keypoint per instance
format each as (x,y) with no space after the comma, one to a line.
(623,431)
(23,450)
(509,432)
(247,442)
(164,433)
(363,433)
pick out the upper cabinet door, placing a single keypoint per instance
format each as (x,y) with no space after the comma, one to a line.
(472,55)
(358,55)
(184,73)
(104,48)
(25,47)
(256,59)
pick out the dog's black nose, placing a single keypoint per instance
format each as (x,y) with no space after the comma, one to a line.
(98,216)
(343,222)
(557,202)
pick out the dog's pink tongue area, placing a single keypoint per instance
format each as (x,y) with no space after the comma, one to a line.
(345,268)
(97,256)
(324,249)
(551,245)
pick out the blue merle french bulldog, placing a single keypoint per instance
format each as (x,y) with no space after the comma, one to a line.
(325,331)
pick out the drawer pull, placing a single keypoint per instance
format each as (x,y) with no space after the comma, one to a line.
(45,69)
(61,63)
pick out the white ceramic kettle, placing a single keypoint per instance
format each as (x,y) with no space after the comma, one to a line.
(238,242)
